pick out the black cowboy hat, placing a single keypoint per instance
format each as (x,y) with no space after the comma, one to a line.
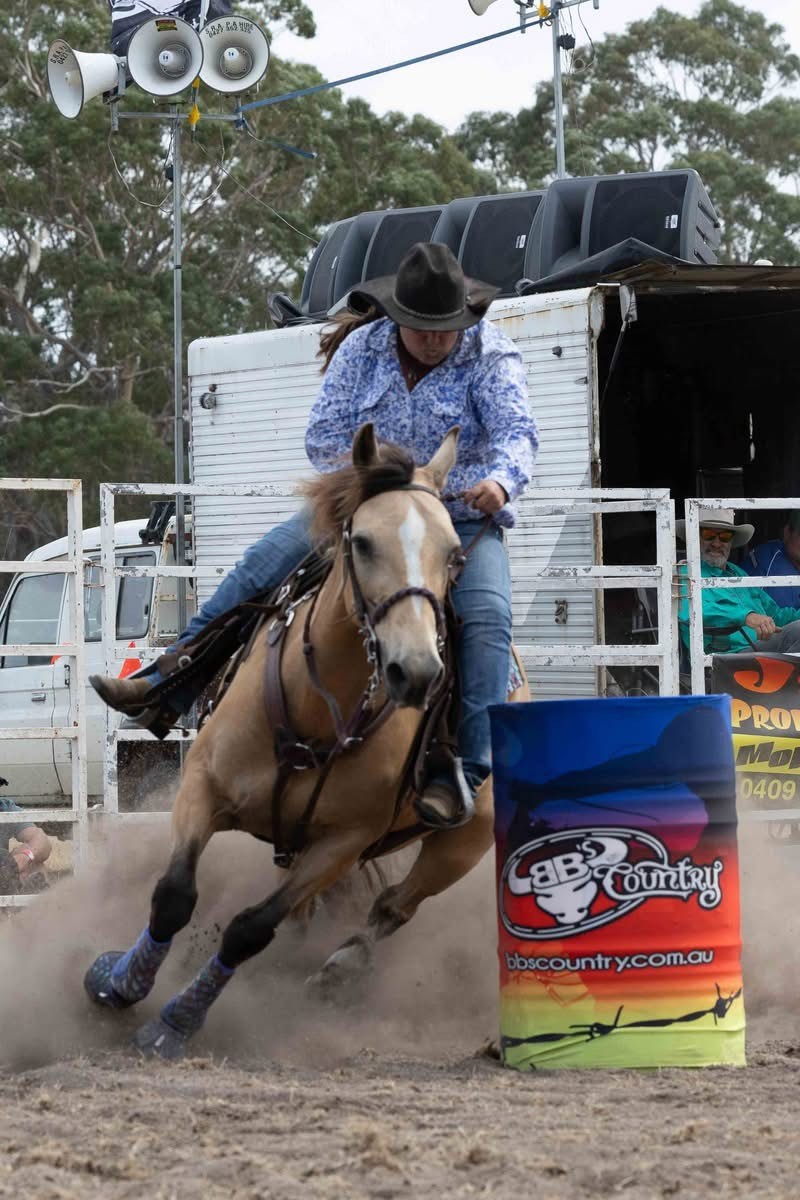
(429,291)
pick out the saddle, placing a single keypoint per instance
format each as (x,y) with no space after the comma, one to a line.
(219,646)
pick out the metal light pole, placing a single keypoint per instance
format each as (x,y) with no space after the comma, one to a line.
(177,362)
(558,95)
(552,14)
(175,118)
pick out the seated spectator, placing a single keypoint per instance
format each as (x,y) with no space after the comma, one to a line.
(779,557)
(19,863)
(735,620)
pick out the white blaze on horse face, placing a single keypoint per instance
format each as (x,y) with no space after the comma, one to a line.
(411,532)
(408,636)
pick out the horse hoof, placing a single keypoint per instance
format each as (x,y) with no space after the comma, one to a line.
(339,979)
(321,985)
(97,981)
(157,1039)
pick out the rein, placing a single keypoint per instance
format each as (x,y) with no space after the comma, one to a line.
(292,753)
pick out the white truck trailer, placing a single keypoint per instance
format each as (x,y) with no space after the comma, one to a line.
(673,377)
(38,691)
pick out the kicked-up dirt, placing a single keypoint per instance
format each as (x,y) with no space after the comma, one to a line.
(395,1096)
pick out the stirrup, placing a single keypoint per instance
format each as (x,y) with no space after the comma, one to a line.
(465,810)
(158,719)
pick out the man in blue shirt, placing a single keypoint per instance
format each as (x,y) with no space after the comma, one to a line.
(779,557)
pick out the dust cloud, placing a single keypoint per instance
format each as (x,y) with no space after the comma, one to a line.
(433,993)
(769,858)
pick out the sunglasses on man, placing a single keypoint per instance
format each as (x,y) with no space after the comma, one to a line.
(709,535)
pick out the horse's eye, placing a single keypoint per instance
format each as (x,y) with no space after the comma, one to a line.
(362,546)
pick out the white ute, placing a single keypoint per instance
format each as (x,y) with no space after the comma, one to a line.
(35,691)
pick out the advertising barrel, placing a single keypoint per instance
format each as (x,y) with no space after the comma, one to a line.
(618,885)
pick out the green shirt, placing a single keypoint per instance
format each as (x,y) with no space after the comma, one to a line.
(730,606)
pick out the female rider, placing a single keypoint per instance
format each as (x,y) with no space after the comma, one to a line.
(417,358)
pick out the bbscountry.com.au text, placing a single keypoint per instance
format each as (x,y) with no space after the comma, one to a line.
(609,962)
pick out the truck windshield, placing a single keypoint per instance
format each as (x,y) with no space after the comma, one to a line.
(32,617)
(134,598)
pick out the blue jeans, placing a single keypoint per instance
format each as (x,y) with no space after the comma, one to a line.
(482,599)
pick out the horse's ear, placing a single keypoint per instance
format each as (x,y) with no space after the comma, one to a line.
(365,446)
(444,459)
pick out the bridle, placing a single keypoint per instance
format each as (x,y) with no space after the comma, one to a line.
(370,615)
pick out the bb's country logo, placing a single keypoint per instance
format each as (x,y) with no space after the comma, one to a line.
(579,879)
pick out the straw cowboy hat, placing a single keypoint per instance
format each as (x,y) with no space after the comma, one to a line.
(720,518)
(429,291)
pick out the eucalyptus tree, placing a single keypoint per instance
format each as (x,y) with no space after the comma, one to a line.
(717,92)
(86,237)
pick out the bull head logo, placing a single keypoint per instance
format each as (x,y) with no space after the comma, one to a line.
(567,871)
(565,886)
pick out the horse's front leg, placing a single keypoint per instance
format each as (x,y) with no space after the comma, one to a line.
(251,931)
(443,859)
(117,978)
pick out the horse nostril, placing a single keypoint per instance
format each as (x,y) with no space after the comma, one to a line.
(395,677)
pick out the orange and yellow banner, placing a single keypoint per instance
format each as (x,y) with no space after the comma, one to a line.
(765,718)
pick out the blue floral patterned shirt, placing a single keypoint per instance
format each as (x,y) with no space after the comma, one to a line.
(479,386)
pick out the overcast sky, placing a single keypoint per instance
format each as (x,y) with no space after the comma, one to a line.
(359,35)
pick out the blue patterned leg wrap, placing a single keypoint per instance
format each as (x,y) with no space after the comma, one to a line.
(135,973)
(187,1011)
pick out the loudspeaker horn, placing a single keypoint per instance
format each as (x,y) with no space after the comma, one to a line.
(165,55)
(236,54)
(75,77)
(479,7)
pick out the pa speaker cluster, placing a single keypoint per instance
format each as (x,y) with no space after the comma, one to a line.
(669,210)
(506,238)
(164,55)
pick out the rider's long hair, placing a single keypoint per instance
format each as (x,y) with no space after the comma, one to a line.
(339,328)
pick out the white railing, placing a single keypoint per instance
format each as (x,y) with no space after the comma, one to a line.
(550,501)
(71,566)
(601,502)
(112,654)
(663,653)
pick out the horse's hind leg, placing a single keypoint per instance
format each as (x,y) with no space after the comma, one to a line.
(444,858)
(118,979)
(251,931)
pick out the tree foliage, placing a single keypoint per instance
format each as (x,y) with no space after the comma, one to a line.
(717,92)
(86,284)
(86,215)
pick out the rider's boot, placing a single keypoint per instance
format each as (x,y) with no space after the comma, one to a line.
(447,800)
(125,695)
(130,696)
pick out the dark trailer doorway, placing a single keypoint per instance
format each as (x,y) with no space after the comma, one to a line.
(703,400)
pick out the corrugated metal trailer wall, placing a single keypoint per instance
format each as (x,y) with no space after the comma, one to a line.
(553,333)
(265,385)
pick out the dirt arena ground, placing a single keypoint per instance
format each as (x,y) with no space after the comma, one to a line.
(397,1097)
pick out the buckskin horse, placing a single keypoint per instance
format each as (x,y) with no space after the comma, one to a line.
(371,644)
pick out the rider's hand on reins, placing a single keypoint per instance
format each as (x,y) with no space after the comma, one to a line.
(487,496)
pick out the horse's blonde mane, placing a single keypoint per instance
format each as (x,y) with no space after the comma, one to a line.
(336,496)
